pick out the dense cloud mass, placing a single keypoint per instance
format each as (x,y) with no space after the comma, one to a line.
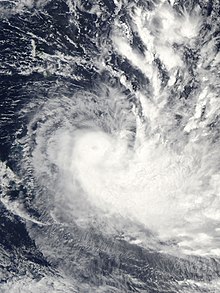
(109,146)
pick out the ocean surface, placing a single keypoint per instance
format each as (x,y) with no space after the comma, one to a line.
(109,146)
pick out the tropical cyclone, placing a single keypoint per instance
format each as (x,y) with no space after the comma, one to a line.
(110,146)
